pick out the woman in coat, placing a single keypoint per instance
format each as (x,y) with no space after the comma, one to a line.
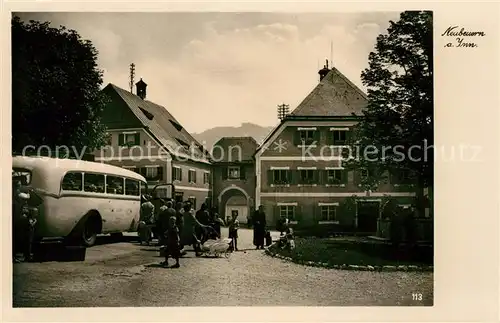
(193,232)
(259,228)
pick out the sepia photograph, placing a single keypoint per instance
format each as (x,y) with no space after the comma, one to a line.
(171,159)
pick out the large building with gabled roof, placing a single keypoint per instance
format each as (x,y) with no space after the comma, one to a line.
(146,138)
(299,171)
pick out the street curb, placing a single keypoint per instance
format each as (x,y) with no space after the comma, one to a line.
(412,268)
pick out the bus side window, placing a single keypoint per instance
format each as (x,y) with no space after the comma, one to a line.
(114,185)
(72,182)
(131,187)
(94,183)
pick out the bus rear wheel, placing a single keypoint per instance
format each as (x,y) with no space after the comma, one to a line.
(89,235)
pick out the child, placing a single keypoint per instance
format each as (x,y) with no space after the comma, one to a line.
(234,225)
(173,247)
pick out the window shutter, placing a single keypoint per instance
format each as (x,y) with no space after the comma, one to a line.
(276,213)
(329,138)
(121,139)
(242,172)
(317,136)
(296,137)
(224,173)
(316,176)
(270,178)
(298,213)
(180,174)
(348,135)
(297,175)
(160,173)
(345,176)
(137,140)
(357,176)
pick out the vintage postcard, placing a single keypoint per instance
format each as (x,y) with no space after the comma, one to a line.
(258,162)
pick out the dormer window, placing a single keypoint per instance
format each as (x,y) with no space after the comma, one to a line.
(148,115)
(182,143)
(176,125)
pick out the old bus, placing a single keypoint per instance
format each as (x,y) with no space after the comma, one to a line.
(80,199)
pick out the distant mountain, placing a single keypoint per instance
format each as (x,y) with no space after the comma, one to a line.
(209,137)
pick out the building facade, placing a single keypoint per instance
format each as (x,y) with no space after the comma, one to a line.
(234,176)
(146,138)
(299,171)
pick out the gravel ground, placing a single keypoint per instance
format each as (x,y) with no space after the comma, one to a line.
(124,274)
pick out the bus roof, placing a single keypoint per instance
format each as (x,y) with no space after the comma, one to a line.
(54,168)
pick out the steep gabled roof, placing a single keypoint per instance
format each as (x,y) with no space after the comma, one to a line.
(334,96)
(161,124)
(224,150)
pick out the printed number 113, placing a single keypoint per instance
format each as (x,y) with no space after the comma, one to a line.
(416,296)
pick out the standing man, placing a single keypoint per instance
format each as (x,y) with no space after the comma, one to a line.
(259,228)
(146,219)
(202,215)
(23,222)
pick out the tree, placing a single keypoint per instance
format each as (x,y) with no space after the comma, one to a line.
(396,131)
(56,96)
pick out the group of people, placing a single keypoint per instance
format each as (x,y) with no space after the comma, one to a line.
(181,226)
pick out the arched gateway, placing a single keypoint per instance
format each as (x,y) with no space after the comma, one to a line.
(235,200)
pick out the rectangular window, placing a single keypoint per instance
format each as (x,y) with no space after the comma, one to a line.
(72,182)
(192,176)
(334,176)
(151,172)
(339,137)
(129,139)
(177,173)
(328,212)
(233,172)
(131,187)
(94,183)
(281,176)
(288,211)
(114,185)
(206,178)
(306,137)
(307,176)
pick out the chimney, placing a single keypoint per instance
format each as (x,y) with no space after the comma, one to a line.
(324,71)
(141,89)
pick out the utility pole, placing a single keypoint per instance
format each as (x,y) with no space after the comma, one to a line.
(283,111)
(132,75)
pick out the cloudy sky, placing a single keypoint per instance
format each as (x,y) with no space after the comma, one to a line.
(223,69)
